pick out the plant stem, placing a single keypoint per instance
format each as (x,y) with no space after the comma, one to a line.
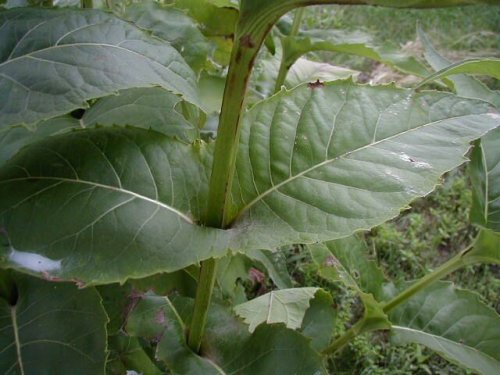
(87,4)
(445,269)
(202,302)
(226,146)
(284,64)
(345,338)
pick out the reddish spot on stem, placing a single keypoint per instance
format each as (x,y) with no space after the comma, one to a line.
(246,41)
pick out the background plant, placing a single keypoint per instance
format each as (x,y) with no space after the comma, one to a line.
(311,166)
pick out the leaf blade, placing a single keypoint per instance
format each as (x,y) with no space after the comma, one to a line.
(135,219)
(90,52)
(453,322)
(380,148)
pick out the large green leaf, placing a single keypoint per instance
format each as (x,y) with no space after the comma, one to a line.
(347,260)
(52,60)
(462,84)
(174,26)
(228,347)
(484,171)
(454,323)
(324,160)
(107,204)
(278,306)
(12,138)
(52,328)
(149,108)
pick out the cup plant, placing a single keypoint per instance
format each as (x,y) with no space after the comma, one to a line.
(125,227)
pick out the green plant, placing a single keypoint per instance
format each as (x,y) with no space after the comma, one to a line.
(141,216)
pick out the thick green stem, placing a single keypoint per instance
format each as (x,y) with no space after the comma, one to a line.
(246,46)
(345,338)
(444,270)
(284,64)
(450,266)
(202,302)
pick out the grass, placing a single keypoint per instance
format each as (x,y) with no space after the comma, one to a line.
(458,33)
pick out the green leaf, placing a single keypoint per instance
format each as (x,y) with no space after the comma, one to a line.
(462,84)
(486,248)
(484,66)
(454,323)
(53,60)
(13,138)
(325,160)
(137,195)
(215,20)
(149,108)
(116,300)
(484,171)
(275,265)
(126,353)
(356,43)
(347,260)
(51,328)
(278,306)
(228,347)
(319,321)
(174,26)
(232,270)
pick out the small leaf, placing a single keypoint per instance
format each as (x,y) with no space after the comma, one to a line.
(279,306)
(275,265)
(356,43)
(50,328)
(53,60)
(346,260)
(137,193)
(149,108)
(484,66)
(484,171)
(463,85)
(454,323)
(322,161)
